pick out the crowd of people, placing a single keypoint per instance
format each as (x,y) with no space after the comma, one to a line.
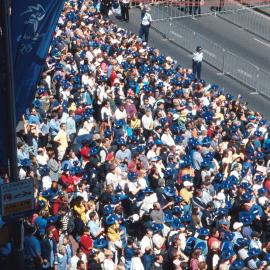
(136,163)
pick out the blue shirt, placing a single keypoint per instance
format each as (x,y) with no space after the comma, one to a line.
(129,253)
(41,223)
(93,227)
(197,160)
(71,126)
(33,119)
(147,261)
(54,126)
(31,248)
(62,261)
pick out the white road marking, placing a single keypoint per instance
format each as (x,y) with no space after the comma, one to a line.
(262,42)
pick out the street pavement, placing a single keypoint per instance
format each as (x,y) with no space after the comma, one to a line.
(229,36)
(210,74)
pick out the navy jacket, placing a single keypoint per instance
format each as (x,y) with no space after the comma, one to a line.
(46,249)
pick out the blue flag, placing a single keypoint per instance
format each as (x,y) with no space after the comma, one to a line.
(33,24)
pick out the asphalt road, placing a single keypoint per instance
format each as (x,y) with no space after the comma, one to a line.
(232,38)
(210,74)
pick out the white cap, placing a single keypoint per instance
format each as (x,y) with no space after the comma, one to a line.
(169,59)
(237,225)
(187,184)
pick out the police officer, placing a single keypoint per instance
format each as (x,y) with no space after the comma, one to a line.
(125,10)
(197,62)
(146,20)
(105,6)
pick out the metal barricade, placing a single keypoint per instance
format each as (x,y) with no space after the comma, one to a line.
(213,53)
(181,35)
(241,69)
(263,83)
(250,20)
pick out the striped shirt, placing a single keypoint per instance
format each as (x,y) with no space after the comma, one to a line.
(64,222)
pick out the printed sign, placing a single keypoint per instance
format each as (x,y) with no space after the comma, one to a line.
(17,198)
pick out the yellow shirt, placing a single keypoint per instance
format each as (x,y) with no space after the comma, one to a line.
(113,233)
(135,123)
(61,138)
(81,211)
(185,194)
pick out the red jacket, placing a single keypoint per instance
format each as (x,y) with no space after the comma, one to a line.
(54,232)
(56,204)
(68,181)
(86,244)
(85,153)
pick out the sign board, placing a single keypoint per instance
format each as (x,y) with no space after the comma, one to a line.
(17,198)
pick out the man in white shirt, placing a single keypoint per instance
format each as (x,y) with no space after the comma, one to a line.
(146,20)
(77,257)
(108,263)
(120,113)
(167,138)
(197,62)
(147,240)
(147,123)
(136,262)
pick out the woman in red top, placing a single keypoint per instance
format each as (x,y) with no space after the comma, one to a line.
(68,181)
(86,242)
(85,152)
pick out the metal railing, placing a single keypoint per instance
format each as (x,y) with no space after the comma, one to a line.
(217,56)
(174,9)
(250,20)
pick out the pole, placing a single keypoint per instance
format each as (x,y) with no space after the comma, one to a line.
(17,261)
(9,85)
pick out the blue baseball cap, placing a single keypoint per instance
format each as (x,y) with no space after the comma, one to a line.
(254,252)
(168,218)
(110,220)
(100,243)
(242,242)
(237,264)
(203,232)
(200,245)
(108,210)
(156,227)
(176,224)
(227,254)
(169,191)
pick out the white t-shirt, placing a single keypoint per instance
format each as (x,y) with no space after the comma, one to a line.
(74,260)
(136,264)
(146,242)
(147,122)
(158,241)
(147,19)
(111,179)
(108,265)
(198,56)
(46,182)
(167,139)
(120,114)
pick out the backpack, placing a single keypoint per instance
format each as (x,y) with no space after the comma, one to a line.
(71,223)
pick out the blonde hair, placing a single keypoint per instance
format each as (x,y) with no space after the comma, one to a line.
(90,204)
